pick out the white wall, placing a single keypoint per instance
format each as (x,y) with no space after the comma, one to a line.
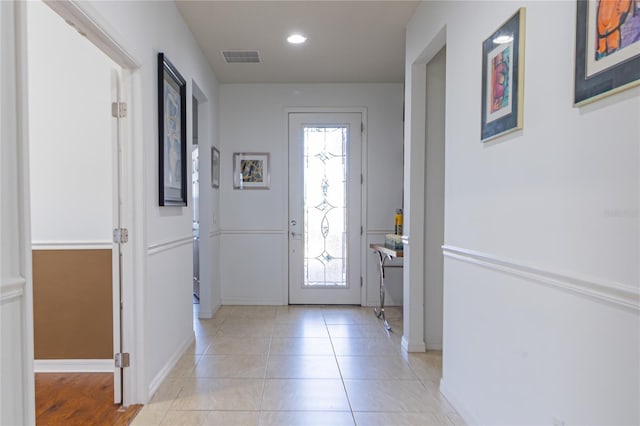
(254,223)
(70,137)
(166,267)
(541,276)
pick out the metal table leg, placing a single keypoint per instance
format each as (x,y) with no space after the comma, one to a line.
(380,310)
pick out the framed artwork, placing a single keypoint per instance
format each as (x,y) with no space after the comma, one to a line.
(503,78)
(172,131)
(215,167)
(607,48)
(251,170)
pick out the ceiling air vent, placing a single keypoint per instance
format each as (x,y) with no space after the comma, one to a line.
(241,56)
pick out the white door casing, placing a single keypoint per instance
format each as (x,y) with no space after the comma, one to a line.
(311,261)
(17,394)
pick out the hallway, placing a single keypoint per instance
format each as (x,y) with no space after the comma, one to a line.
(289,365)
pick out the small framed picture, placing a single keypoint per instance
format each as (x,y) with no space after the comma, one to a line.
(215,167)
(172,131)
(607,48)
(503,78)
(251,170)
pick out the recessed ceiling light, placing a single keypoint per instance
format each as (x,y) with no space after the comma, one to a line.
(296,39)
(503,39)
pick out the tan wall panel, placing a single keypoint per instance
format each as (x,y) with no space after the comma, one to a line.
(72,298)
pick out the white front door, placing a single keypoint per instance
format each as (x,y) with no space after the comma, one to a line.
(325,184)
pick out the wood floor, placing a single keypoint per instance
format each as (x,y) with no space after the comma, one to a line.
(79,399)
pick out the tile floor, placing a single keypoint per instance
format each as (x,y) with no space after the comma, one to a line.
(289,365)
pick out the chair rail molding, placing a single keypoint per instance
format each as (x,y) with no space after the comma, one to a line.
(615,293)
(167,245)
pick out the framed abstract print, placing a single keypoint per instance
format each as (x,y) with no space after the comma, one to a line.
(251,170)
(607,48)
(503,78)
(172,131)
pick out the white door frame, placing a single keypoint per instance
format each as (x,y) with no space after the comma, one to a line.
(87,21)
(363,198)
(17,394)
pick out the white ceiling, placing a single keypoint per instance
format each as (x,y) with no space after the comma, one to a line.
(348,41)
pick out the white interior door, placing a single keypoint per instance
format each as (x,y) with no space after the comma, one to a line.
(117,258)
(325,184)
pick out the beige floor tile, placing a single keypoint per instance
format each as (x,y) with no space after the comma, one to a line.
(303,329)
(185,418)
(306,418)
(241,330)
(382,346)
(257,363)
(220,394)
(199,347)
(247,312)
(185,366)
(288,314)
(149,416)
(347,316)
(211,418)
(389,395)
(304,395)
(375,367)
(426,364)
(228,345)
(302,367)
(301,346)
(231,366)
(356,330)
(399,419)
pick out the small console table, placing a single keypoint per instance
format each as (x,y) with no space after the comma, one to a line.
(384,254)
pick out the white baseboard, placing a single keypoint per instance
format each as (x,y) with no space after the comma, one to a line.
(435,346)
(73,366)
(414,346)
(164,372)
(466,415)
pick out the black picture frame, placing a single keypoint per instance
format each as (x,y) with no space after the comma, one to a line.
(622,73)
(172,134)
(503,51)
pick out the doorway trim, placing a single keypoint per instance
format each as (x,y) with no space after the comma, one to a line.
(414,183)
(85,19)
(363,197)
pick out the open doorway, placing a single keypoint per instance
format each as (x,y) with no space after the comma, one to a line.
(195,182)
(75,171)
(434,199)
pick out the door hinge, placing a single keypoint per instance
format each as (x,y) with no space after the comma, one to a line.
(361,179)
(361,230)
(121,359)
(361,127)
(120,235)
(360,282)
(118,109)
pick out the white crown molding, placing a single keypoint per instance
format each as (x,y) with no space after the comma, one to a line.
(12,288)
(73,366)
(72,245)
(618,294)
(160,247)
